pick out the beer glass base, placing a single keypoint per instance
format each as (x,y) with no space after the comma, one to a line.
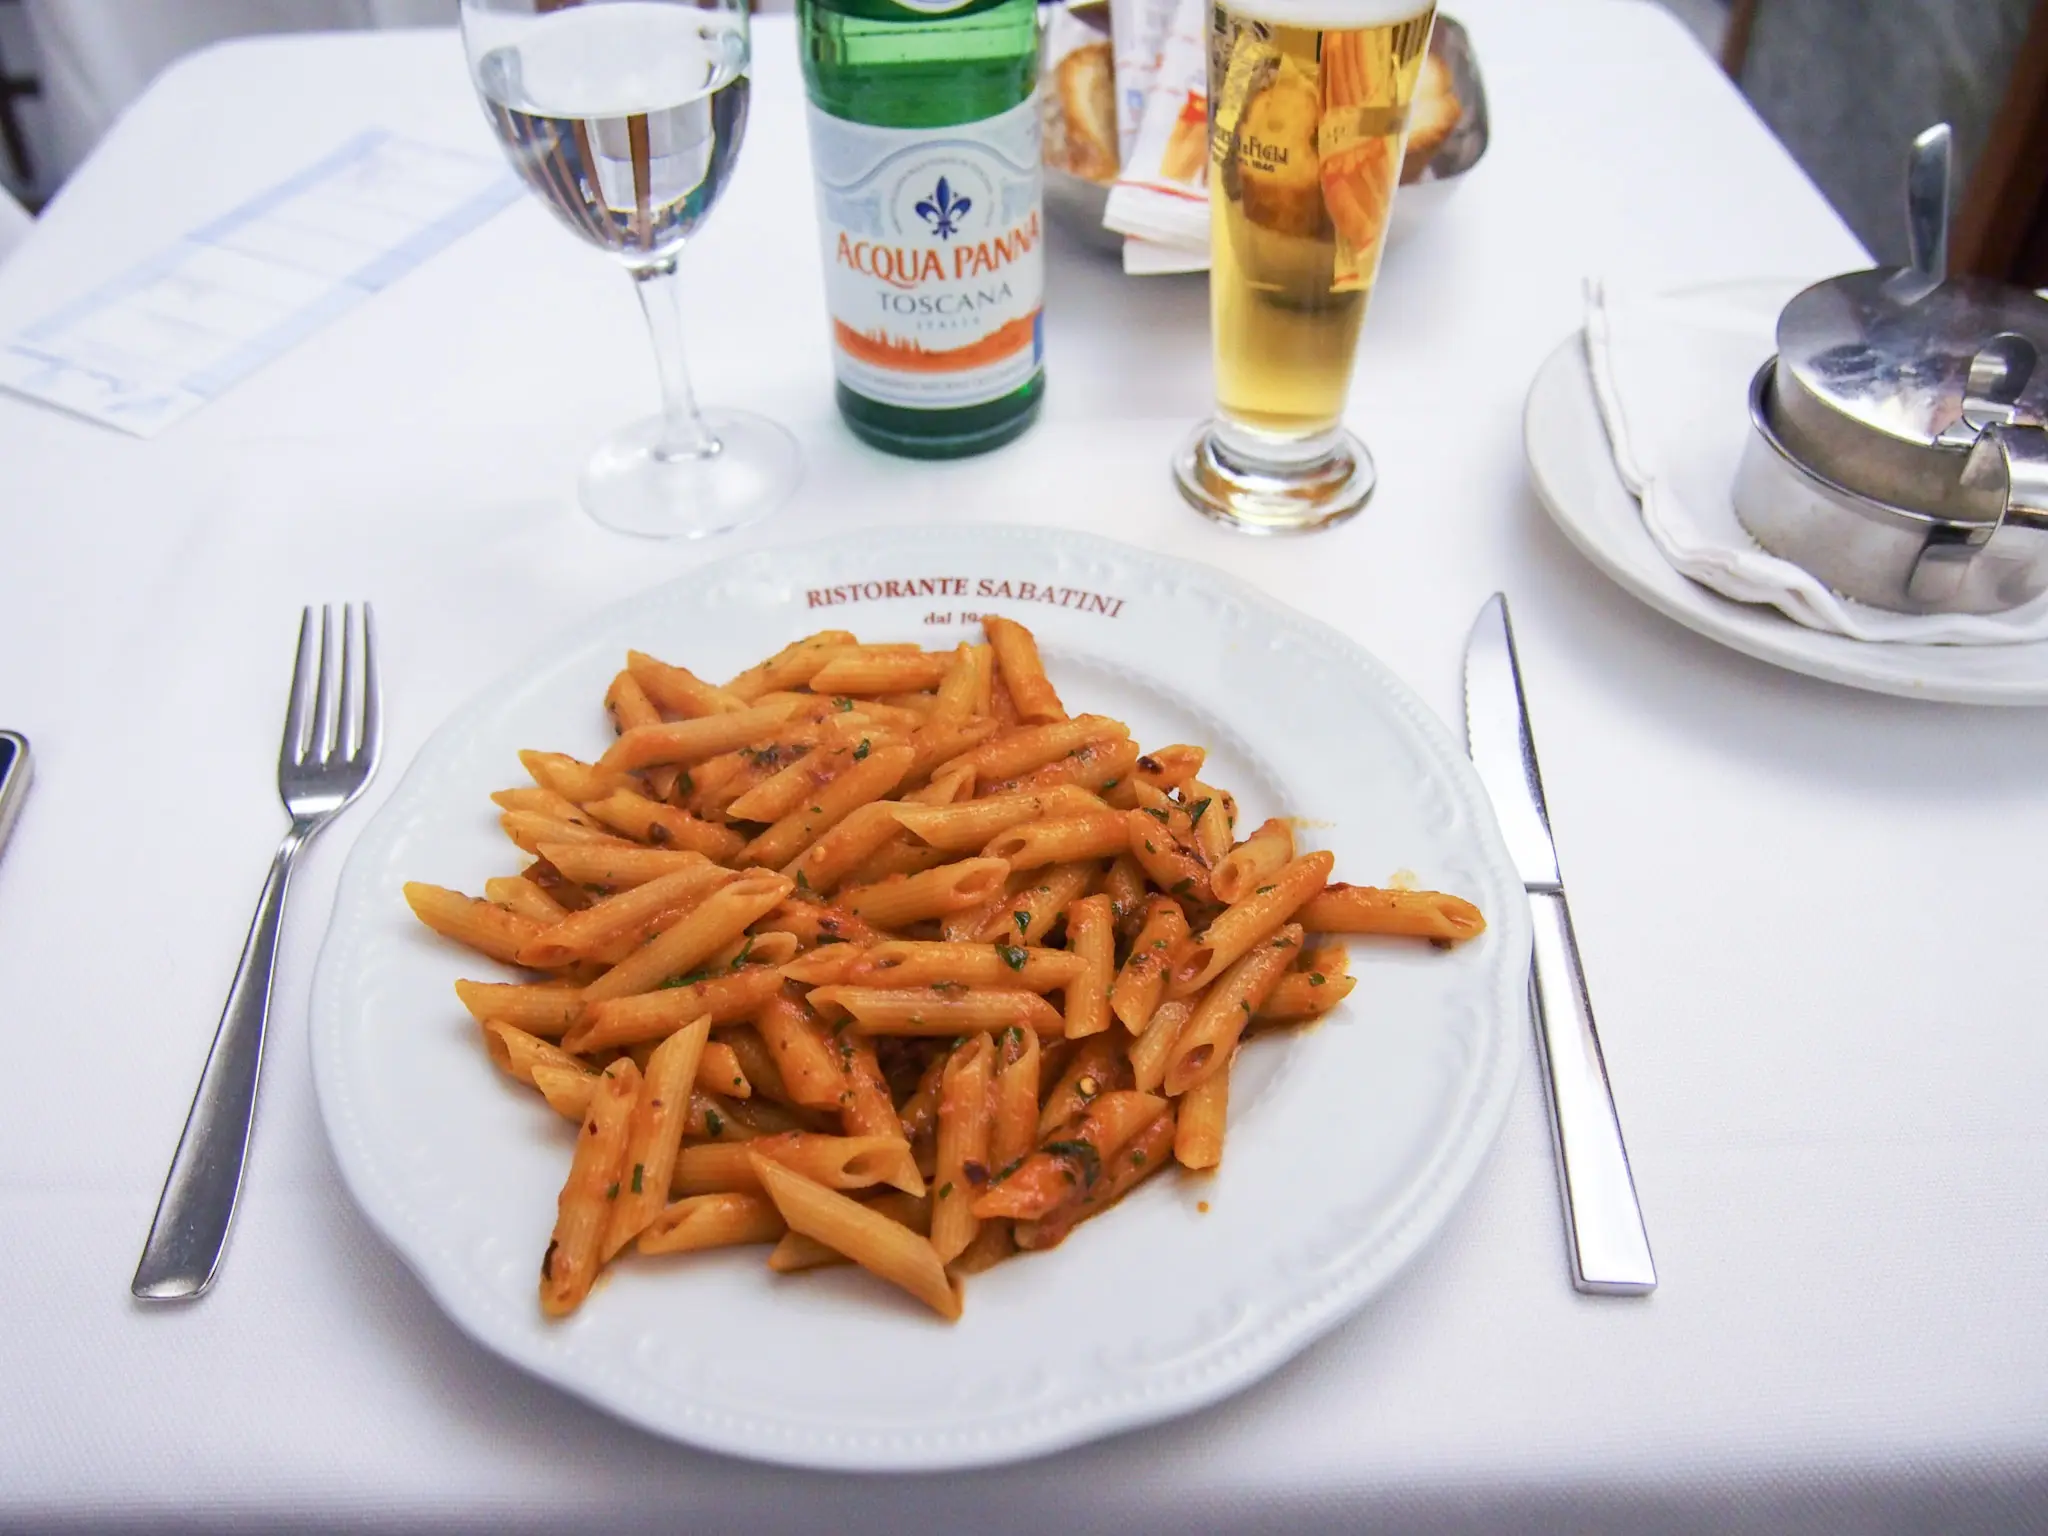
(1259,495)
(632,486)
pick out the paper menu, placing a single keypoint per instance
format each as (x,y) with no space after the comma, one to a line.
(183,326)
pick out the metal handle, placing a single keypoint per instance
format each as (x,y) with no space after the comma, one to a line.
(1927,177)
(198,1202)
(1610,1251)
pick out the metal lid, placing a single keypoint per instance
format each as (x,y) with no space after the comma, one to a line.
(1891,349)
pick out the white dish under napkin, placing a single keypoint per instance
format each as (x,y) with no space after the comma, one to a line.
(1671,374)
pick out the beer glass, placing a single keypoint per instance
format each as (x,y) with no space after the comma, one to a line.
(1308,118)
(625,118)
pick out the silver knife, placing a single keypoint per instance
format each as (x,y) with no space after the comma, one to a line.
(1610,1251)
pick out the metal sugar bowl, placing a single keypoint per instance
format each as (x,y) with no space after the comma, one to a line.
(1899,443)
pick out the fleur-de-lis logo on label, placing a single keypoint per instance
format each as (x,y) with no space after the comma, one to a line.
(943,211)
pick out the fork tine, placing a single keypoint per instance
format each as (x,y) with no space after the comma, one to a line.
(372,724)
(345,709)
(321,742)
(295,721)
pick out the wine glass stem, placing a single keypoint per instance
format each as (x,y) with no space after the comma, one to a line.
(684,435)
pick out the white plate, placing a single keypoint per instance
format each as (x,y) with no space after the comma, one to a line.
(1349,1143)
(1575,478)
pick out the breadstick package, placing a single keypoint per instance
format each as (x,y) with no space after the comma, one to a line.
(1162,194)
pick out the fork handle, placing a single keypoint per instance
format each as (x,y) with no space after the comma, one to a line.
(1610,1251)
(198,1202)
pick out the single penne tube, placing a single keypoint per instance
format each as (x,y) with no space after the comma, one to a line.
(548,1011)
(941,1010)
(1128,890)
(633,914)
(919,1115)
(888,672)
(912,963)
(955,784)
(575,781)
(614,865)
(790,667)
(1013,1110)
(654,1136)
(1245,924)
(879,1245)
(791,786)
(542,802)
(898,713)
(1253,862)
(1097,1068)
(1141,983)
(663,826)
(1091,935)
(684,742)
(1095,765)
(1303,995)
(867,778)
(1413,914)
(759,1064)
(823,967)
(959,692)
(1151,1050)
(628,705)
(984,679)
(1165,862)
(1016,652)
(962,1153)
(902,855)
(611,1024)
(568,1089)
(818,923)
(718,781)
(727,1220)
(679,690)
(796,1252)
(719,1072)
(1100,835)
(868,1110)
(939,748)
(839,852)
(810,1066)
(517,1052)
(1017,751)
(714,1117)
(1203,1109)
(573,1255)
(776,949)
(721,916)
(483,926)
(1212,820)
(1217,1024)
(1169,767)
(516,893)
(1028,913)
(966,826)
(529,829)
(837,1162)
(903,899)
(1132,1163)
(1065,1170)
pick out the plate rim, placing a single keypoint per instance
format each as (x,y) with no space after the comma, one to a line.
(1746,628)
(1420,1212)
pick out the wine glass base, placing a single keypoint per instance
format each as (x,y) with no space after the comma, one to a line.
(632,487)
(1259,495)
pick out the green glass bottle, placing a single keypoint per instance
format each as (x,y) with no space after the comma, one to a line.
(925,146)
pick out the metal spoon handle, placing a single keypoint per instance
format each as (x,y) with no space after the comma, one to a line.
(1927,178)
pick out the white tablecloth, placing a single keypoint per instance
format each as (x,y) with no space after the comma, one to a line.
(1812,917)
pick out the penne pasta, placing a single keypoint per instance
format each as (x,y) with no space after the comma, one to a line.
(1165,862)
(1212,1032)
(1126,887)
(946,1009)
(1010,753)
(966,826)
(815,923)
(614,865)
(1253,862)
(837,1162)
(810,1067)
(823,967)
(570,1265)
(1414,914)
(568,1090)
(963,1147)
(485,927)
(1245,924)
(1305,994)
(1141,983)
(1098,1067)
(529,829)
(1067,1169)
(1017,659)
(654,1135)
(887,672)
(836,854)
(869,1238)
(515,893)
(634,915)
(1092,936)
(679,690)
(541,802)
(663,826)
(517,1053)
(721,916)
(1013,1116)
(1096,765)
(609,1024)
(1212,820)
(712,1221)
(1132,1163)
(904,899)
(1150,1051)
(547,1011)
(718,1069)
(796,1252)
(1027,915)
(910,963)
(868,1110)
(1203,1109)
(576,782)
(869,775)
(684,742)
(791,667)
(1100,835)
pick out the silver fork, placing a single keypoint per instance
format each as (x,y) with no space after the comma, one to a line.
(331,735)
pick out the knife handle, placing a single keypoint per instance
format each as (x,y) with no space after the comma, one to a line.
(1610,1251)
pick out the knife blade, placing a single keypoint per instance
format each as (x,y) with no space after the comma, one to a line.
(1610,1250)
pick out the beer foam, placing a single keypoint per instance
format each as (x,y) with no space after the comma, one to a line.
(1328,15)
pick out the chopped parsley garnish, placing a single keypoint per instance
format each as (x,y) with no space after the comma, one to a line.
(1155,813)
(1263,889)
(1082,1152)
(802,883)
(1315,978)
(1013,957)
(859,753)
(638,1169)
(714,1122)
(1023,922)
(843,705)
(1183,885)
(613,1192)
(746,949)
(689,979)
(1197,811)
(1138,1158)
(946,1190)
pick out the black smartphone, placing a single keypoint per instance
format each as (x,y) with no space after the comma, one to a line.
(14,777)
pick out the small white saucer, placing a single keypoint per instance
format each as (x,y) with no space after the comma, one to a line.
(1574,476)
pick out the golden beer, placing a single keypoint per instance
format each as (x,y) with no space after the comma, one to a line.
(1308,118)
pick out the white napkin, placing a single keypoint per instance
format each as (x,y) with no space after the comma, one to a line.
(1672,378)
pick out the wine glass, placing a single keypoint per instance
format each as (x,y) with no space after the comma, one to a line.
(625,118)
